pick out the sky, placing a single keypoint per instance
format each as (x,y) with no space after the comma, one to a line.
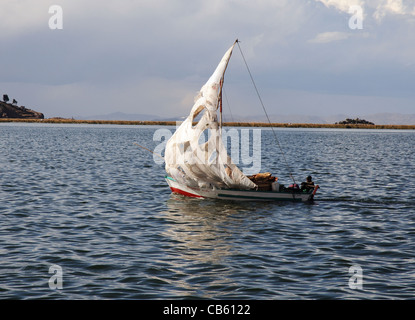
(310,57)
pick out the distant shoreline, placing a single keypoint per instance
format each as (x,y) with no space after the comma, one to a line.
(228,124)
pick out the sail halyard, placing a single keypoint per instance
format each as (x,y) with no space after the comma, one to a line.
(205,164)
(220,104)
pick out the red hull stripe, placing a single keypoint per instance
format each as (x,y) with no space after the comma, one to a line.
(187,194)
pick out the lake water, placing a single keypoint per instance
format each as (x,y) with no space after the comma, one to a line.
(86,201)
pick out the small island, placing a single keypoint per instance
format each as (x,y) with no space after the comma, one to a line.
(13,111)
(355,121)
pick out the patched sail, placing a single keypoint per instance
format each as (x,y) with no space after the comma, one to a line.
(204,164)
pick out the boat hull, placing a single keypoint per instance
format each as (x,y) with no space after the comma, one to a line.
(240,195)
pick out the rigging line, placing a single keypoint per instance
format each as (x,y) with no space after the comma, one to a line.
(229,106)
(266,114)
(149,150)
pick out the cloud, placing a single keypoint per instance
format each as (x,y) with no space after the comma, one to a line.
(342,5)
(152,56)
(327,37)
(394,7)
(22,17)
(379,8)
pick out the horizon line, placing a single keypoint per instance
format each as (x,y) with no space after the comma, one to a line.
(58,120)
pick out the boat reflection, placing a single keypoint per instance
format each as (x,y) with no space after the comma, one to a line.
(205,229)
(207,237)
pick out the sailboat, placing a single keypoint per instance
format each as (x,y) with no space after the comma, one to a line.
(205,170)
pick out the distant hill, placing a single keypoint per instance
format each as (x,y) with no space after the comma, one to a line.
(8,110)
(122,117)
(391,118)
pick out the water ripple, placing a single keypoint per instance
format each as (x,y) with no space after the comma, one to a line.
(86,199)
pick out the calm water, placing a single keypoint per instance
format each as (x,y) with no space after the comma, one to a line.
(87,200)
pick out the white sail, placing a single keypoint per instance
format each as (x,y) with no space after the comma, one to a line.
(206,164)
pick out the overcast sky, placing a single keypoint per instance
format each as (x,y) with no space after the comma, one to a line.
(151,57)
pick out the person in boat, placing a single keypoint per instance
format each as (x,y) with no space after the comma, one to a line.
(308,184)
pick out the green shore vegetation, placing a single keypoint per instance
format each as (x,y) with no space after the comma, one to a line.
(228,124)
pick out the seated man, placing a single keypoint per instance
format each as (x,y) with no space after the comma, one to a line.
(307,185)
